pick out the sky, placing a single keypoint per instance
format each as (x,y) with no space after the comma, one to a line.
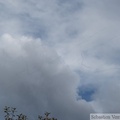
(60,56)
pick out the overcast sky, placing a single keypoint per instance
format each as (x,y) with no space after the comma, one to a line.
(60,56)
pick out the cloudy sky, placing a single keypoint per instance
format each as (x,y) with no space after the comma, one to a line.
(61,56)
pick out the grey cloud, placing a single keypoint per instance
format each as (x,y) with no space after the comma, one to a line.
(108,96)
(34,79)
(85,34)
(37,18)
(70,7)
(95,52)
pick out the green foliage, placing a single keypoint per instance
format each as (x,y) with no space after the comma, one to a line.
(10,115)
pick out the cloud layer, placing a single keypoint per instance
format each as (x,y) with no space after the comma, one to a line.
(34,78)
(52,50)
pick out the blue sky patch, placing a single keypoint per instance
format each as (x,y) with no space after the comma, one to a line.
(86,92)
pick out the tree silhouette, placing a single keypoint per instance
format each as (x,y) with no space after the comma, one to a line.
(10,115)
(46,117)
